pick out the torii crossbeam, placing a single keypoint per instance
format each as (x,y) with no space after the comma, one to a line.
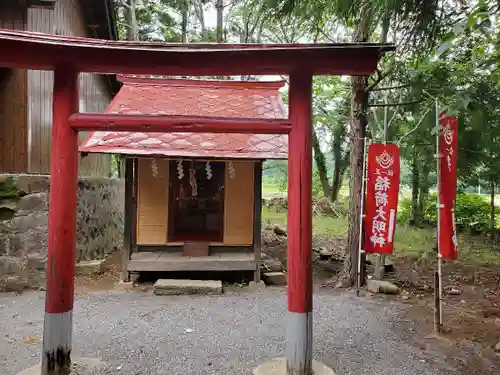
(69,56)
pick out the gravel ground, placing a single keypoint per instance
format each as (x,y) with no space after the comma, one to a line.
(136,333)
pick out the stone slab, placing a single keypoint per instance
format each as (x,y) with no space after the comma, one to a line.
(125,285)
(89,267)
(252,285)
(277,366)
(85,364)
(381,286)
(275,278)
(272,265)
(168,287)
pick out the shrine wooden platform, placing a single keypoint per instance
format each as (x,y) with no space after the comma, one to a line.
(176,261)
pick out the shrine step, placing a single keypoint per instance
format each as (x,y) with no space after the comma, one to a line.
(169,287)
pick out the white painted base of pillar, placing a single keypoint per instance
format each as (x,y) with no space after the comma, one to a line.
(57,332)
(277,366)
(299,335)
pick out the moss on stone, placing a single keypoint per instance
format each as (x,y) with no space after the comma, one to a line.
(8,187)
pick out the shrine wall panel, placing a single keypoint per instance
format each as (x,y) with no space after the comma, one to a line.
(65,19)
(13,100)
(239,204)
(152,203)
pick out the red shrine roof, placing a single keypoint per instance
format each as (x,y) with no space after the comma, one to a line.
(158,96)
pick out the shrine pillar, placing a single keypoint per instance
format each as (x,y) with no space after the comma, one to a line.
(60,272)
(299,317)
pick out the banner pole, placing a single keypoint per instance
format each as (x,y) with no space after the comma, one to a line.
(438,289)
(361,218)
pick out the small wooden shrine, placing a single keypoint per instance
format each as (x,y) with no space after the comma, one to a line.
(195,202)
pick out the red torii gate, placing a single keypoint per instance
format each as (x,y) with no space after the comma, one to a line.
(68,56)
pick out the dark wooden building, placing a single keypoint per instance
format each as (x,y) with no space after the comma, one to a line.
(26,95)
(193,200)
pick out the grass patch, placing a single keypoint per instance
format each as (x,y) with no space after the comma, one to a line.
(322,225)
(271,188)
(409,241)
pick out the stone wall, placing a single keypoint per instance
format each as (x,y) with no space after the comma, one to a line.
(24,225)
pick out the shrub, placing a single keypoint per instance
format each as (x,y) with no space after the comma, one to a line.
(472,212)
(404,210)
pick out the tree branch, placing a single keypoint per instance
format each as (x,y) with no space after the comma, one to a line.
(391,87)
(379,79)
(395,104)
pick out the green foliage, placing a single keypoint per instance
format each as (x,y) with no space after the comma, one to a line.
(472,213)
(404,210)
(8,187)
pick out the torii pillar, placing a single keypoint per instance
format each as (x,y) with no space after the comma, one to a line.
(299,333)
(60,272)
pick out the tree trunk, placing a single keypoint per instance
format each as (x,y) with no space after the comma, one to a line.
(359,120)
(415,186)
(219,5)
(492,212)
(424,183)
(340,163)
(132,32)
(319,158)
(184,22)
(200,14)
(337,181)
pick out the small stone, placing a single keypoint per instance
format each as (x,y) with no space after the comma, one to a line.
(491,311)
(381,286)
(89,267)
(125,285)
(252,285)
(275,278)
(405,298)
(497,347)
(11,266)
(9,204)
(28,183)
(325,254)
(34,202)
(23,223)
(36,262)
(14,284)
(188,330)
(279,231)
(453,291)
(264,256)
(497,322)
(165,287)
(272,265)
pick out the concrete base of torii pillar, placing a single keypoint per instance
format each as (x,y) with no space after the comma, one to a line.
(277,366)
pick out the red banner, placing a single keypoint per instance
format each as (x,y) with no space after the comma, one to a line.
(448,142)
(382,190)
